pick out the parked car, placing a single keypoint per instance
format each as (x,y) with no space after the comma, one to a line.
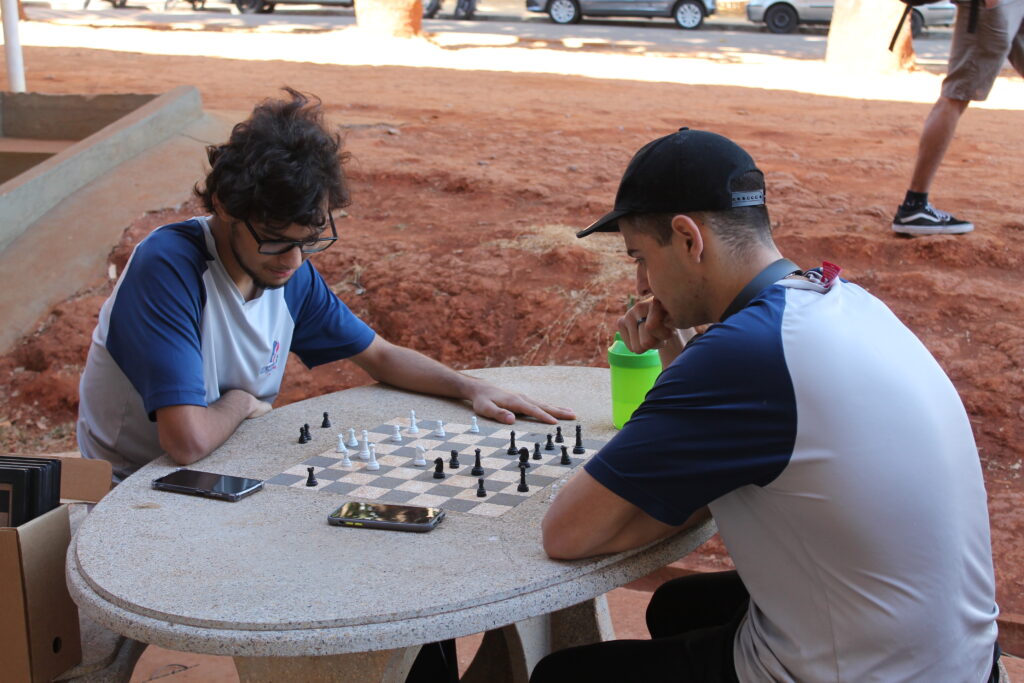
(688,14)
(464,9)
(782,16)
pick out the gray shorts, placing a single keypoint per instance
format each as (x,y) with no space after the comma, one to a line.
(975,59)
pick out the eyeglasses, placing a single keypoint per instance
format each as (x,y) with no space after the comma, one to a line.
(310,246)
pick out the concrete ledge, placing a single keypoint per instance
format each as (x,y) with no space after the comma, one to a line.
(26,198)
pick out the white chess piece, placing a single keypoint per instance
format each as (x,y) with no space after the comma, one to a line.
(353,442)
(421,457)
(413,427)
(364,451)
(341,444)
(474,428)
(346,461)
(440,429)
(397,436)
(373,465)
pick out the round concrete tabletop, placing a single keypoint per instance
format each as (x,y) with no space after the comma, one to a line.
(267,576)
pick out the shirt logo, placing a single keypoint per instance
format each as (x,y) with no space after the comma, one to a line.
(275,355)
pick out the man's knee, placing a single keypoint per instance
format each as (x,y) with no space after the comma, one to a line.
(952,106)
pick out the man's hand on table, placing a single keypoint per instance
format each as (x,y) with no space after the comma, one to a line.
(498,404)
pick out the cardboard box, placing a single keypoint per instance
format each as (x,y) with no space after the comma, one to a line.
(39,635)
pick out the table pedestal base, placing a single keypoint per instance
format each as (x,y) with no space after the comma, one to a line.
(386,666)
(508,654)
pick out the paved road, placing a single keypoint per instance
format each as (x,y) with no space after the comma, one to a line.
(719,38)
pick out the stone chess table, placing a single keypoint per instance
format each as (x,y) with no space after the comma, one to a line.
(267,581)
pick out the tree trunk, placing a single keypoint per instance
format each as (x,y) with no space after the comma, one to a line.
(397,18)
(859,36)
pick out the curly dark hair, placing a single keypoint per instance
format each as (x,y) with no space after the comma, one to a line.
(279,166)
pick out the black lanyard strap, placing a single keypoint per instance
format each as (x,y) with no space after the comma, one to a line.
(769,276)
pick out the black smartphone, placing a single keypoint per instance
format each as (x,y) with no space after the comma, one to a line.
(386,516)
(207,484)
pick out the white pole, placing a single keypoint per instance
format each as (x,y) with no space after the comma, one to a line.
(12,46)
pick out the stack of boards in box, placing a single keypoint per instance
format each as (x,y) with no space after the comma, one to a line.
(29,487)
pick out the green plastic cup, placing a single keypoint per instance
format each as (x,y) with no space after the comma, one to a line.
(633,375)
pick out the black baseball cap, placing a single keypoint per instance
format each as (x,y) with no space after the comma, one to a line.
(689,170)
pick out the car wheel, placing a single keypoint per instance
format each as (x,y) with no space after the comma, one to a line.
(781,19)
(266,8)
(248,6)
(688,14)
(916,24)
(431,8)
(564,12)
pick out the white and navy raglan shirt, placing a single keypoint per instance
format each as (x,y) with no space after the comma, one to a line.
(838,462)
(176,331)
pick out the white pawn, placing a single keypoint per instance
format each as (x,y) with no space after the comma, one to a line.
(373,465)
(346,461)
(474,428)
(413,427)
(440,429)
(364,451)
(341,444)
(421,457)
(397,436)
(353,442)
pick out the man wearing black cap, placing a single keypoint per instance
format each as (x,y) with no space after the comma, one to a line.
(831,449)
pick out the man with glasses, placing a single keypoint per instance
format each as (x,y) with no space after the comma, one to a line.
(194,338)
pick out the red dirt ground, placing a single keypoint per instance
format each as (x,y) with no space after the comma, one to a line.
(466,188)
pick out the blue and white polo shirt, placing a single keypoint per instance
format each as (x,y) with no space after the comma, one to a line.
(176,331)
(838,462)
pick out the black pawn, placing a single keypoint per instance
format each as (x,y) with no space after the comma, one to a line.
(439,468)
(512,450)
(453,462)
(578,449)
(524,457)
(477,469)
(536,451)
(302,435)
(326,424)
(308,436)
(566,460)
(311,479)
(558,435)
(523,488)
(550,445)
(480,492)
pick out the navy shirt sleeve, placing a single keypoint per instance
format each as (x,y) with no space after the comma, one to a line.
(721,416)
(325,329)
(156,318)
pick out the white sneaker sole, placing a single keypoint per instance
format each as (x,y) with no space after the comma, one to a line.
(932,229)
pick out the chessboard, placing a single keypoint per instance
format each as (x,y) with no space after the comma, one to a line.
(399,481)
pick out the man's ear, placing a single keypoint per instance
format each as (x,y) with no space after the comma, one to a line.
(687,235)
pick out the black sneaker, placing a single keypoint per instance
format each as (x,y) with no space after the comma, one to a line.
(927,220)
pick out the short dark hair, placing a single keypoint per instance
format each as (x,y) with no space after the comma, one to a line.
(739,228)
(279,166)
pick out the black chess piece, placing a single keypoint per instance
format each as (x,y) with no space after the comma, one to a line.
(326,424)
(558,435)
(550,445)
(302,435)
(523,488)
(578,449)
(311,478)
(566,460)
(480,492)
(439,468)
(306,435)
(477,468)
(524,457)
(512,450)
(453,462)
(536,451)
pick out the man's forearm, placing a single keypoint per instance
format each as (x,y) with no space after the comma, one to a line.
(190,433)
(412,371)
